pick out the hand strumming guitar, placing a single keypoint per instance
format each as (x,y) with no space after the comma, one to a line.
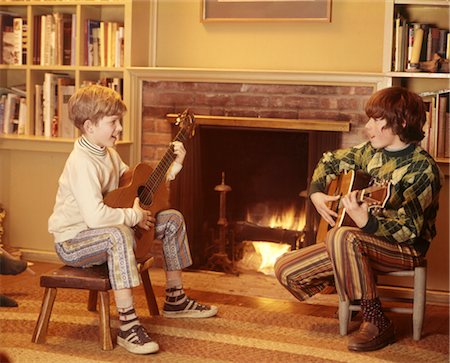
(321,202)
(147,221)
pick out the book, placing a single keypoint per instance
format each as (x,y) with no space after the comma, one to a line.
(429,102)
(49,95)
(399,44)
(17,48)
(37,39)
(2,111)
(416,49)
(66,43)
(38,106)
(22,128)
(43,41)
(90,35)
(73,43)
(8,41)
(441,128)
(11,103)
(66,88)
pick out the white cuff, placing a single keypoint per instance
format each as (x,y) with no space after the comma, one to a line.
(173,171)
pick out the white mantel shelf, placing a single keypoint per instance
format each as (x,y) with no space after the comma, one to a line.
(379,80)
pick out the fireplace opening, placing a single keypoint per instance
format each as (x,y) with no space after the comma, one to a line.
(267,172)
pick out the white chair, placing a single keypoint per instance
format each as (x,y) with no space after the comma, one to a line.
(419,274)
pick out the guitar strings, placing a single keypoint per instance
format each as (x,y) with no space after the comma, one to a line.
(157,176)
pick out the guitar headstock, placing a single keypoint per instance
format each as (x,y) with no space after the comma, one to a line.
(186,121)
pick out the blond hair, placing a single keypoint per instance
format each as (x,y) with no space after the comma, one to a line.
(94,102)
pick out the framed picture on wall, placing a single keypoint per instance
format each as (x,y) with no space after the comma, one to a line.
(266,10)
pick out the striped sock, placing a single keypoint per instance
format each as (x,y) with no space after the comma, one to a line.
(176,296)
(128,318)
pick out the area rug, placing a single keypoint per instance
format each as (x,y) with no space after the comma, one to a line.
(252,332)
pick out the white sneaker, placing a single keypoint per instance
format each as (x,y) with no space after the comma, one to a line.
(189,309)
(136,340)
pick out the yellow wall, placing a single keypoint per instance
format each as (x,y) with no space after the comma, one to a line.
(352,42)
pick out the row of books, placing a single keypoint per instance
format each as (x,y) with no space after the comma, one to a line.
(105,43)
(13,37)
(437,127)
(54,38)
(13,113)
(51,116)
(417,42)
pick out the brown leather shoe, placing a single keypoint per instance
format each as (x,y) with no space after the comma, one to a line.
(370,338)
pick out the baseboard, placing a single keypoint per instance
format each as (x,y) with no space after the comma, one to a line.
(40,256)
(433,296)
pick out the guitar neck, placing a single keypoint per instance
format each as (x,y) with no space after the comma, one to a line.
(157,176)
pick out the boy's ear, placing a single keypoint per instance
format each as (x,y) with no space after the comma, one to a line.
(88,126)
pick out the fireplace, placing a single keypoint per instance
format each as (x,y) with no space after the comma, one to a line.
(266,167)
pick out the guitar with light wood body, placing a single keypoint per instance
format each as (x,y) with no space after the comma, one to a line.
(148,184)
(375,196)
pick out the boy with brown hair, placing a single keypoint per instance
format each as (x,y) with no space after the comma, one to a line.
(395,239)
(88,232)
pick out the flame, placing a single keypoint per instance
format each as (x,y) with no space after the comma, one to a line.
(288,218)
(269,252)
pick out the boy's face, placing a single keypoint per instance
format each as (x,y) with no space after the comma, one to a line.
(105,133)
(382,137)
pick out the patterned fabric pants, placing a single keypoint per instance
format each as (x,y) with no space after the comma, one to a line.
(349,258)
(115,246)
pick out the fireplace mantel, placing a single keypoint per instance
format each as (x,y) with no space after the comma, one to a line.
(268,123)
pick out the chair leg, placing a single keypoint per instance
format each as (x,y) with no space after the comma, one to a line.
(149,293)
(344,316)
(40,331)
(92,302)
(105,326)
(420,278)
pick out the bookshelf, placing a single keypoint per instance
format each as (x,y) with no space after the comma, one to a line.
(134,16)
(430,14)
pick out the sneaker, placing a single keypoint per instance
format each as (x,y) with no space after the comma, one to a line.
(136,340)
(189,309)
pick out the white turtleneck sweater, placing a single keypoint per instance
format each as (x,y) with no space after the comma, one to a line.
(89,174)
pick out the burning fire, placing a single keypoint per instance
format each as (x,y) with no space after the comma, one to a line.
(287,218)
(269,252)
(264,254)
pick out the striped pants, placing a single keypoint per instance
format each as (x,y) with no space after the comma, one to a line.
(115,246)
(349,258)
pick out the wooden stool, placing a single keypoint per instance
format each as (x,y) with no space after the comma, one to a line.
(96,280)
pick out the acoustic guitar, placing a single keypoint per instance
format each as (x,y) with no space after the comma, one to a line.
(375,196)
(147,183)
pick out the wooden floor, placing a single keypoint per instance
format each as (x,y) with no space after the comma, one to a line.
(246,290)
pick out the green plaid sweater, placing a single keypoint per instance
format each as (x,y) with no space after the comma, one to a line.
(410,213)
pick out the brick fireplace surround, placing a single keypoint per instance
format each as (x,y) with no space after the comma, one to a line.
(246,99)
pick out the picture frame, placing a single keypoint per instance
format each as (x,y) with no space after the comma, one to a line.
(266,10)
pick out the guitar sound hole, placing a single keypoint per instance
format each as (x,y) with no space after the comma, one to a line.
(145,195)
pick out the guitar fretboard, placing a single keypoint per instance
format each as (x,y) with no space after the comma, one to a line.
(157,176)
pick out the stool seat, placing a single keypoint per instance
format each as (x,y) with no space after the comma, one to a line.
(91,278)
